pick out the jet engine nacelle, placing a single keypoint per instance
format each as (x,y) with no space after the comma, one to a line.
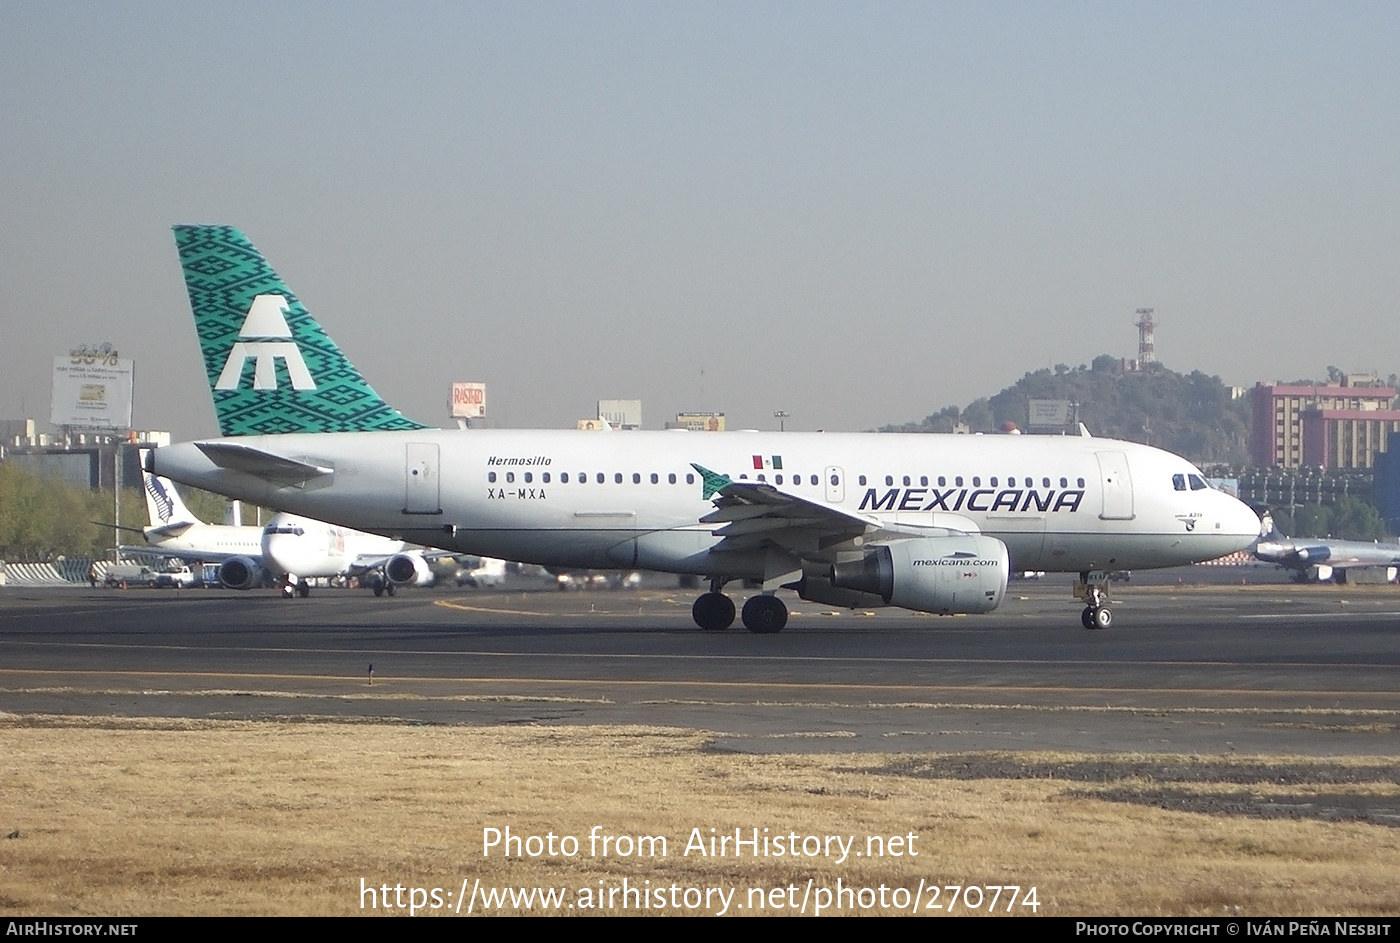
(240,573)
(408,568)
(819,589)
(962,573)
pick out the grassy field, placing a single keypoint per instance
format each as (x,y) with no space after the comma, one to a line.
(144,817)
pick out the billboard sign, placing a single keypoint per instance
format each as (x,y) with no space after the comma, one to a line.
(699,422)
(92,388)
(621,413)
(468,400)
(1049,412)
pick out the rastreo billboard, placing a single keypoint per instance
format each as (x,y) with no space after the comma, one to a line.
(92,388)
(468,400)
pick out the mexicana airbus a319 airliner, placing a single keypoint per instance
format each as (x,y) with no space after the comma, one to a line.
(933,523)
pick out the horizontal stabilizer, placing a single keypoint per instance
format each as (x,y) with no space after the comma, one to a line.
(277,469)
(168,530)
(134,530)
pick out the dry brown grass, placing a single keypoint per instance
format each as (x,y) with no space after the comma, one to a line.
(131,817)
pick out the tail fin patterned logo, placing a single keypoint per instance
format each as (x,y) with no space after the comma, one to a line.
(162,505)
(243,311)
(266,337)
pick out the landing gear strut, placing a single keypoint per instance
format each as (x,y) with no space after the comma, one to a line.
(1092,588)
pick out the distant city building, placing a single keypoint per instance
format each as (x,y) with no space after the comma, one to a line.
(88,459)
(1345,425)
(621,413)
(1347,438)
(19,433)
(1385,492)
(698,422)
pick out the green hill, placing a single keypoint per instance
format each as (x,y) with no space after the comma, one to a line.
(1189,414)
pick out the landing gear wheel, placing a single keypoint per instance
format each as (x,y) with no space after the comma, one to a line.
(303,589)
(1092,588)
(389,587)
(378,587)
(765,615)
(713,612)
(289,590)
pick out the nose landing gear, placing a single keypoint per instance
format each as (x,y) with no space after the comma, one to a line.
(1093,589)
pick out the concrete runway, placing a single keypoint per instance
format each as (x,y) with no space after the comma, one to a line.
(1272,668)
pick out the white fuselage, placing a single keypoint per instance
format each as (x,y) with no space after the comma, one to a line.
(211,543)
(312,548)
(634,499)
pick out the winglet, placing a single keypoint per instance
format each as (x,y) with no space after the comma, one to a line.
(711,483)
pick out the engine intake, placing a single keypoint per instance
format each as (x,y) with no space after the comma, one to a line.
(240,573)
(405,568)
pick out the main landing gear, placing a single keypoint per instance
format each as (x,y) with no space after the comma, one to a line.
(713,612)
(763,614)
(383,585)
(1093,589)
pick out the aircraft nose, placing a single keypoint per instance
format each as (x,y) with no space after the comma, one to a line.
(1238,520)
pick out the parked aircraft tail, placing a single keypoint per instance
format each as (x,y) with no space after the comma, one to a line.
(272,369)
(163,502)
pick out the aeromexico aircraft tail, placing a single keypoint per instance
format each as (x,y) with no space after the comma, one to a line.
(163,502)
(249,322)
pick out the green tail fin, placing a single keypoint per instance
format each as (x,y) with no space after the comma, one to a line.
(271,367)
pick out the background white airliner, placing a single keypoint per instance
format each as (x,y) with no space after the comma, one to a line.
(932,523)
(288,551)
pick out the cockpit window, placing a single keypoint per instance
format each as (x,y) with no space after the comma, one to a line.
(1179,482)
(1198,483)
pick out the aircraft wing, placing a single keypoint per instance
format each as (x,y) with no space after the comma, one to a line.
(1342,554)
(367,562)
(1355,553)
(754,513)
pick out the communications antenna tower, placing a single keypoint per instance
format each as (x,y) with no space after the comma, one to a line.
(1146,325)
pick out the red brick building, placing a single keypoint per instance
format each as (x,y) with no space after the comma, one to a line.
(1332,426)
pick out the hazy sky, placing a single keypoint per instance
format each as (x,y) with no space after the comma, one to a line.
(858,213)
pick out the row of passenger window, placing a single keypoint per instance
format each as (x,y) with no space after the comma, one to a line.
(582,478)
(778,479)
(992,482)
